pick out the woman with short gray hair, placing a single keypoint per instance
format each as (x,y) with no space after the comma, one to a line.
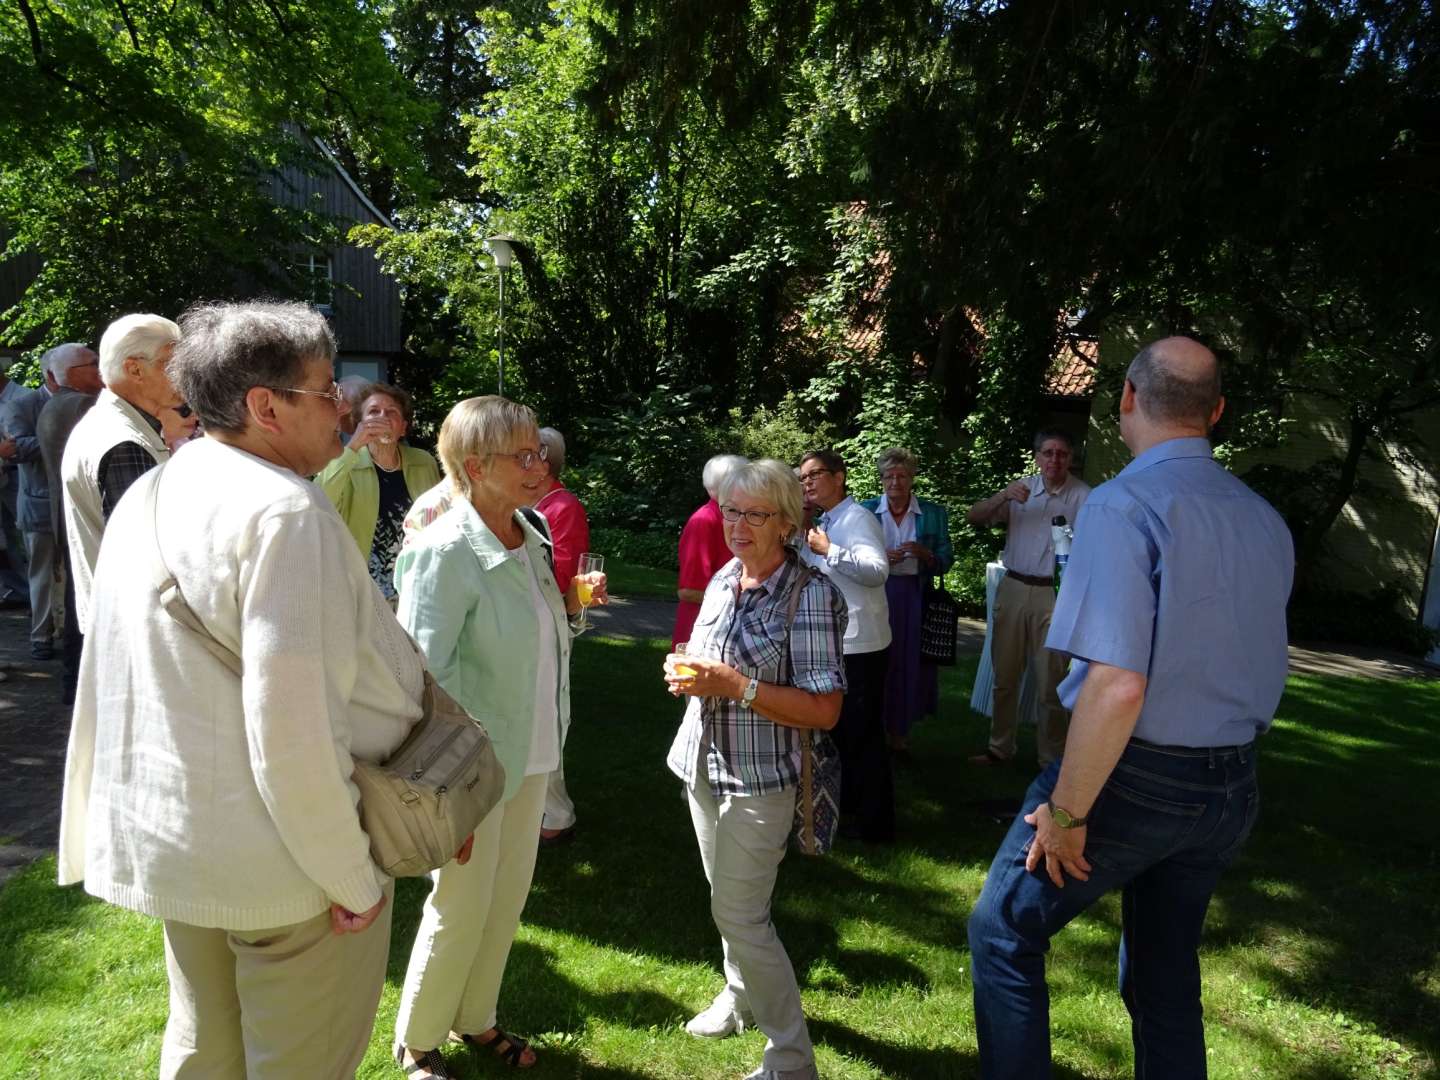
(917,545)
(702,545)
(755,677)
(223,803)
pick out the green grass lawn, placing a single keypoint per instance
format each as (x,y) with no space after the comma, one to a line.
(1321,957)
(632,582)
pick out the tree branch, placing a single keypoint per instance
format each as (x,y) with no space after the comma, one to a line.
(129,24)
(37,48)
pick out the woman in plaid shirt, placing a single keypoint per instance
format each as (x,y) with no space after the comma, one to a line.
(755,683)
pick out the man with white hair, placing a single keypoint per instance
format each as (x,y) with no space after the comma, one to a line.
(702,546)
(19,417)
(76,370)
(119,440)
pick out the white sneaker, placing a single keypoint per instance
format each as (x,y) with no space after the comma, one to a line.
(810,1072)
(717,1021)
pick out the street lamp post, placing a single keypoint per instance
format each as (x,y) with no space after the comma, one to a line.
(500,250)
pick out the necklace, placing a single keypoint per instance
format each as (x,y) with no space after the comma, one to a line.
(385,468)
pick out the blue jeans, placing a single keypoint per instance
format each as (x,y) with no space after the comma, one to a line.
(1166,824)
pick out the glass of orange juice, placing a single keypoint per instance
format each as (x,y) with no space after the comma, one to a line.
(584,591)
(682,648)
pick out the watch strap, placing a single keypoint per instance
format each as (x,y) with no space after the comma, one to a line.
(751,690)
(1063,818)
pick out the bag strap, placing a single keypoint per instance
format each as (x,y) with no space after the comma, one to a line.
(807,743)
(172,600)
(539,524)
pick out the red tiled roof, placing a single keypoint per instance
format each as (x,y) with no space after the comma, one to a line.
(1074,372)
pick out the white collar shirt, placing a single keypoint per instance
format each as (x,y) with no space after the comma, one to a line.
(900,532)
(857,564)
(1028,547)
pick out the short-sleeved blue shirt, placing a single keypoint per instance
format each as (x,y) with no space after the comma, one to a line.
(1181,573)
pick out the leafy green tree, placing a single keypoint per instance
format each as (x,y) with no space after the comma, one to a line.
(143,147)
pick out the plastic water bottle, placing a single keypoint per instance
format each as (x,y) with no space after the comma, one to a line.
(1060,536)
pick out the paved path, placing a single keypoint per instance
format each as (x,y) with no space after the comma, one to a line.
(34,725)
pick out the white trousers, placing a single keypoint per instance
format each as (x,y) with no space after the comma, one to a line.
(469,924)
(272,1004)
(559,810)
(742,840)
(44,596)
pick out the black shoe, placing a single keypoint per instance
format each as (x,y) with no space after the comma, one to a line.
(555,838)
(42,650)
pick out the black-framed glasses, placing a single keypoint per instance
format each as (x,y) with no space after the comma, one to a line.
(333,393)
(809,477)
(526,458)
(756,519)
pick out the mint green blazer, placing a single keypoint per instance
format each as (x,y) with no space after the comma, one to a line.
(468,606)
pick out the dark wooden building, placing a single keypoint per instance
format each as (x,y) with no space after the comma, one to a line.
(347,284)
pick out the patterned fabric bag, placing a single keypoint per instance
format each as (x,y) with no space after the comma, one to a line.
(939,616)
(817,800)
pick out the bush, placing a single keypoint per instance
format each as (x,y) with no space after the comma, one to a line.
(654,549)
(1346,616)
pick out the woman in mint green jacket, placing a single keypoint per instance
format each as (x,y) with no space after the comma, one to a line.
(478,594)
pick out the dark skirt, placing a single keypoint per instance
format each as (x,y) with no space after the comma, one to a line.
(912,688)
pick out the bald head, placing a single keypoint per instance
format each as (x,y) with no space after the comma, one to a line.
(1177,382)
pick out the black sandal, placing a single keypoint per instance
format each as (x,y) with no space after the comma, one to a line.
(430,1060)
(508,1048)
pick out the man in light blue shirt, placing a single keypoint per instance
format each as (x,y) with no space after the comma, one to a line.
(1173,609)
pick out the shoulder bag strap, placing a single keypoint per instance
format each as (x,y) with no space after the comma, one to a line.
(807,743)
(538,522)
(172,600)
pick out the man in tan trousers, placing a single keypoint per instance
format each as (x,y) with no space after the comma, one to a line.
(1025,597)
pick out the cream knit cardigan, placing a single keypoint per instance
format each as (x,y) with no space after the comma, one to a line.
(196,796)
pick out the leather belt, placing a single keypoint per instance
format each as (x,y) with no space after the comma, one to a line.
(1030,579)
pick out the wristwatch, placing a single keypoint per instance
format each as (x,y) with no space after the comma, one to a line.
(1063,818)
(748,698)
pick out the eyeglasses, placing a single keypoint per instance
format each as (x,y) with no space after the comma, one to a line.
(333,393)
(809,477)
(526,458)
(756,519)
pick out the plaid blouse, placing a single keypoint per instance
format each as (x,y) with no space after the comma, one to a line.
(744,753)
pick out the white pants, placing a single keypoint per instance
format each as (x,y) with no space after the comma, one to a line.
(559,810)
(44,596)
(469,924)
(742,840)
(272,1004)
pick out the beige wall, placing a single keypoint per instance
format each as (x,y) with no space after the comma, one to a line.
(1385,533)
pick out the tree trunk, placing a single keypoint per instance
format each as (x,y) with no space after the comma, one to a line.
(1311,538)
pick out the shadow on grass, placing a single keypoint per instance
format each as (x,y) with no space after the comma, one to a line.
(1347,764)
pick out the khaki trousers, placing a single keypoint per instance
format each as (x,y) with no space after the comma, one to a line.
(469,924)
(1022,619)
(297,1001)
(742,840)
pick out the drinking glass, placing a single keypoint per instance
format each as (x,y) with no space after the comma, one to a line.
(682,648)
(589,564)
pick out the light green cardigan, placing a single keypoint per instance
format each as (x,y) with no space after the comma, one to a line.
(467,603)
(353,487)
